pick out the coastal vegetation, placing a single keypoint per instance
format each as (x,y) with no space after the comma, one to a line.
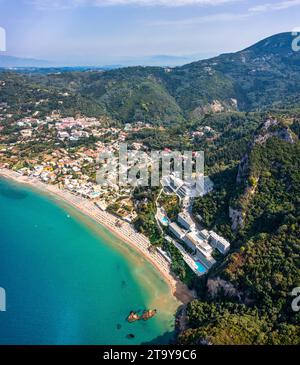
(243,111)
(145,221)
(264,266)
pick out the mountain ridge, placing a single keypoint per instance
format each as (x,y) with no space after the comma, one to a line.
(247,80)
(13,61)
(254,79)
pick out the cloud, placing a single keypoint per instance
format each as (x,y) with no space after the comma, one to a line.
(273,7)
(227,17)
(66,4)
(221,17)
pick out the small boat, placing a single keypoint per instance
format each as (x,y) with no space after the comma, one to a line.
(148,314)
(133,317)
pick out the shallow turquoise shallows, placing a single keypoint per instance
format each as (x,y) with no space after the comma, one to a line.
(69,281)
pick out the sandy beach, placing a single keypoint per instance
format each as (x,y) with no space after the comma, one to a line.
(124,231)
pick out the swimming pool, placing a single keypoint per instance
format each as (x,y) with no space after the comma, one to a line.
(165,220)
(202,269)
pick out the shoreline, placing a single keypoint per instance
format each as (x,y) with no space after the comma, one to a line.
(125,233)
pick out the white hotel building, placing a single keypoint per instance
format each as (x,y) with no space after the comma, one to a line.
(203,250)
(219,242)
(186,221)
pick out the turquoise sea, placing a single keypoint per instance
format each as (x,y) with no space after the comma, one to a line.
(70,281)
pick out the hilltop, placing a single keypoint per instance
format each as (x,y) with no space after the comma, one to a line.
(262,77)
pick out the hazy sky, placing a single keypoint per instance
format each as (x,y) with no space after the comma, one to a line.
(98,32)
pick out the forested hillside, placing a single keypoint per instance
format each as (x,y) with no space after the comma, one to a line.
(242,110)
(261,77)
(248,298)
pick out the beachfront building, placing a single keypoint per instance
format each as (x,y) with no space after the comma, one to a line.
(164,254)
(201,243)
(205,259)
(203,250)
(177,231)
(219,242)
(195,242)
(187,189)
(185,219)
(175,185)
(194,265)
(204,234)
